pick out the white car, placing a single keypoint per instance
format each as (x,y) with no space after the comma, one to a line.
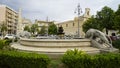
(9,36)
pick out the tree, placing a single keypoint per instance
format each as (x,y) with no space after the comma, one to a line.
(103,19)
(91,23)
(52,29)
(117,19)
(3,28)
(118,11)
(106,18)
(43,30)
(26,28)
(34,28)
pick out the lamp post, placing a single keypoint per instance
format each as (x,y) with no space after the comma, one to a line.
(78,11)
(47,24)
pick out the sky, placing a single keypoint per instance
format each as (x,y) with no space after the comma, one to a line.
(57,10)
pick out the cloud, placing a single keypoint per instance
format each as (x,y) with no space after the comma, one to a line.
(58,10)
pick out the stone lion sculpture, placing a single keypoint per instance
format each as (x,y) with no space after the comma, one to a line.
(101,38)
(24,34)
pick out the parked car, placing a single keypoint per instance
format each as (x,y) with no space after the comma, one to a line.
(9,36)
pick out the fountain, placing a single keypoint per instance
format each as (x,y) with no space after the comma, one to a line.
(55,48)
(60,32)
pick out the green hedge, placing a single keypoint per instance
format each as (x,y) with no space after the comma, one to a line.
(109,60)
(13,59)
(78,59)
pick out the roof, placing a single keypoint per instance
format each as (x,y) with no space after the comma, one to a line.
(1,5)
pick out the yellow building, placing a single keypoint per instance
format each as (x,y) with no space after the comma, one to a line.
(43,23)
(26,22)
(71,26)
(9,17)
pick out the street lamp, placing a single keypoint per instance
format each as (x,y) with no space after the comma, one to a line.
(78,11)
(47,25)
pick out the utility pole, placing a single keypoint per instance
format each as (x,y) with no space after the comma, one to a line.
(78,11)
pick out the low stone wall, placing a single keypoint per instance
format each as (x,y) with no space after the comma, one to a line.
(53,43)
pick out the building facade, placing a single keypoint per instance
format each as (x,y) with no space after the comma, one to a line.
(43,23)
(21,26)
(26,22)
(71,26)
(9,17)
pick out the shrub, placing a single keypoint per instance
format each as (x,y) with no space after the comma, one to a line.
(8,41)
(2,44)
(13,59)
(116,44)
(78,59)
(109,60)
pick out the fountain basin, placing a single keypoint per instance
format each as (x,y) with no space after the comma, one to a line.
(56,43)
(55,48)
